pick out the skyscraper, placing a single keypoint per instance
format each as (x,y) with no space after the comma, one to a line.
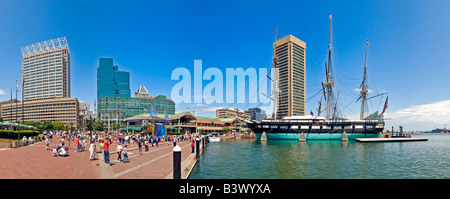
(110,81)
(290,54)
(46,69)
(46,85)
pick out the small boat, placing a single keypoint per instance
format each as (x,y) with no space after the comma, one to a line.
(214,137)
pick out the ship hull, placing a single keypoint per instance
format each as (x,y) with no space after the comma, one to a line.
(315,131)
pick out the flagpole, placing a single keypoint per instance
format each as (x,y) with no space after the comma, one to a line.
(17,120)
(10,112)
(118,106)
(23,108)
(165,118)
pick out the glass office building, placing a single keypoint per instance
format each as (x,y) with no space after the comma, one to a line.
(114,102)
(110,81)
(256,113)
(116,108)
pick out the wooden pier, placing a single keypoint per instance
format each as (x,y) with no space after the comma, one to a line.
(390,139)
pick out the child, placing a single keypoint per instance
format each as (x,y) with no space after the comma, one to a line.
(54,152)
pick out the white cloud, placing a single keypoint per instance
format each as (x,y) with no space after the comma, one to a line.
(2,92)
(213,108)
(423,117)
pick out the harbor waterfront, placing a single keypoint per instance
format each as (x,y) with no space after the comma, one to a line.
(326,159)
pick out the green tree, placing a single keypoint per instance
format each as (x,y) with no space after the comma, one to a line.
(47,125)
(88,125)
(116,126)
(57,125)
(30,123)
(98,125)
(1,119)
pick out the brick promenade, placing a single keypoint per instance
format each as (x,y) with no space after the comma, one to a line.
(34,162)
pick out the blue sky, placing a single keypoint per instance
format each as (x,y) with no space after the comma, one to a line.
(408,53)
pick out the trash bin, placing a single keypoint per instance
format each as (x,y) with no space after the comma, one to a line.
(14,144)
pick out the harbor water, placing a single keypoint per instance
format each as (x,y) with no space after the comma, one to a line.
(289,159)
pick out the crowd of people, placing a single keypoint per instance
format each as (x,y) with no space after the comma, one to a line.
(105,139)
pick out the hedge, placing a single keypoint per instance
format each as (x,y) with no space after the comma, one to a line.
(13,134)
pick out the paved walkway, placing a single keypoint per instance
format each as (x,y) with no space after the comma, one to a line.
(34,162)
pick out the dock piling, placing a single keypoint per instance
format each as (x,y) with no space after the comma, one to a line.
(176,162)
(302,138)
(344,136)
(263,136)
(197,150)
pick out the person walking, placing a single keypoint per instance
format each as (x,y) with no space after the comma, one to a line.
(77,142)
(47,143)
(92,151)
(140,146)
(192,146)
(106,150)
(125,154)
(119,152)
(83,146)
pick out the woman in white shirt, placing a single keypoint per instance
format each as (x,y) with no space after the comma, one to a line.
(24,140)
(92,151)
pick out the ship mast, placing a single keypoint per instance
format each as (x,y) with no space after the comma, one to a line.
(364,91)
(329,84)
(275,89)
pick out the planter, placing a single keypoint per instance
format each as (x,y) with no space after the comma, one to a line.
(14,144)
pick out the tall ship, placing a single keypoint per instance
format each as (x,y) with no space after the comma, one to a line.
(332,126)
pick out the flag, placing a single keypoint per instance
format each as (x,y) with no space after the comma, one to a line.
(330,16)
(153,112)
(23,81)
(385,106)
(367,42)
(167,116)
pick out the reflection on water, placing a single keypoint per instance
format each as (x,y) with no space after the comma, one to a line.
(333,159)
